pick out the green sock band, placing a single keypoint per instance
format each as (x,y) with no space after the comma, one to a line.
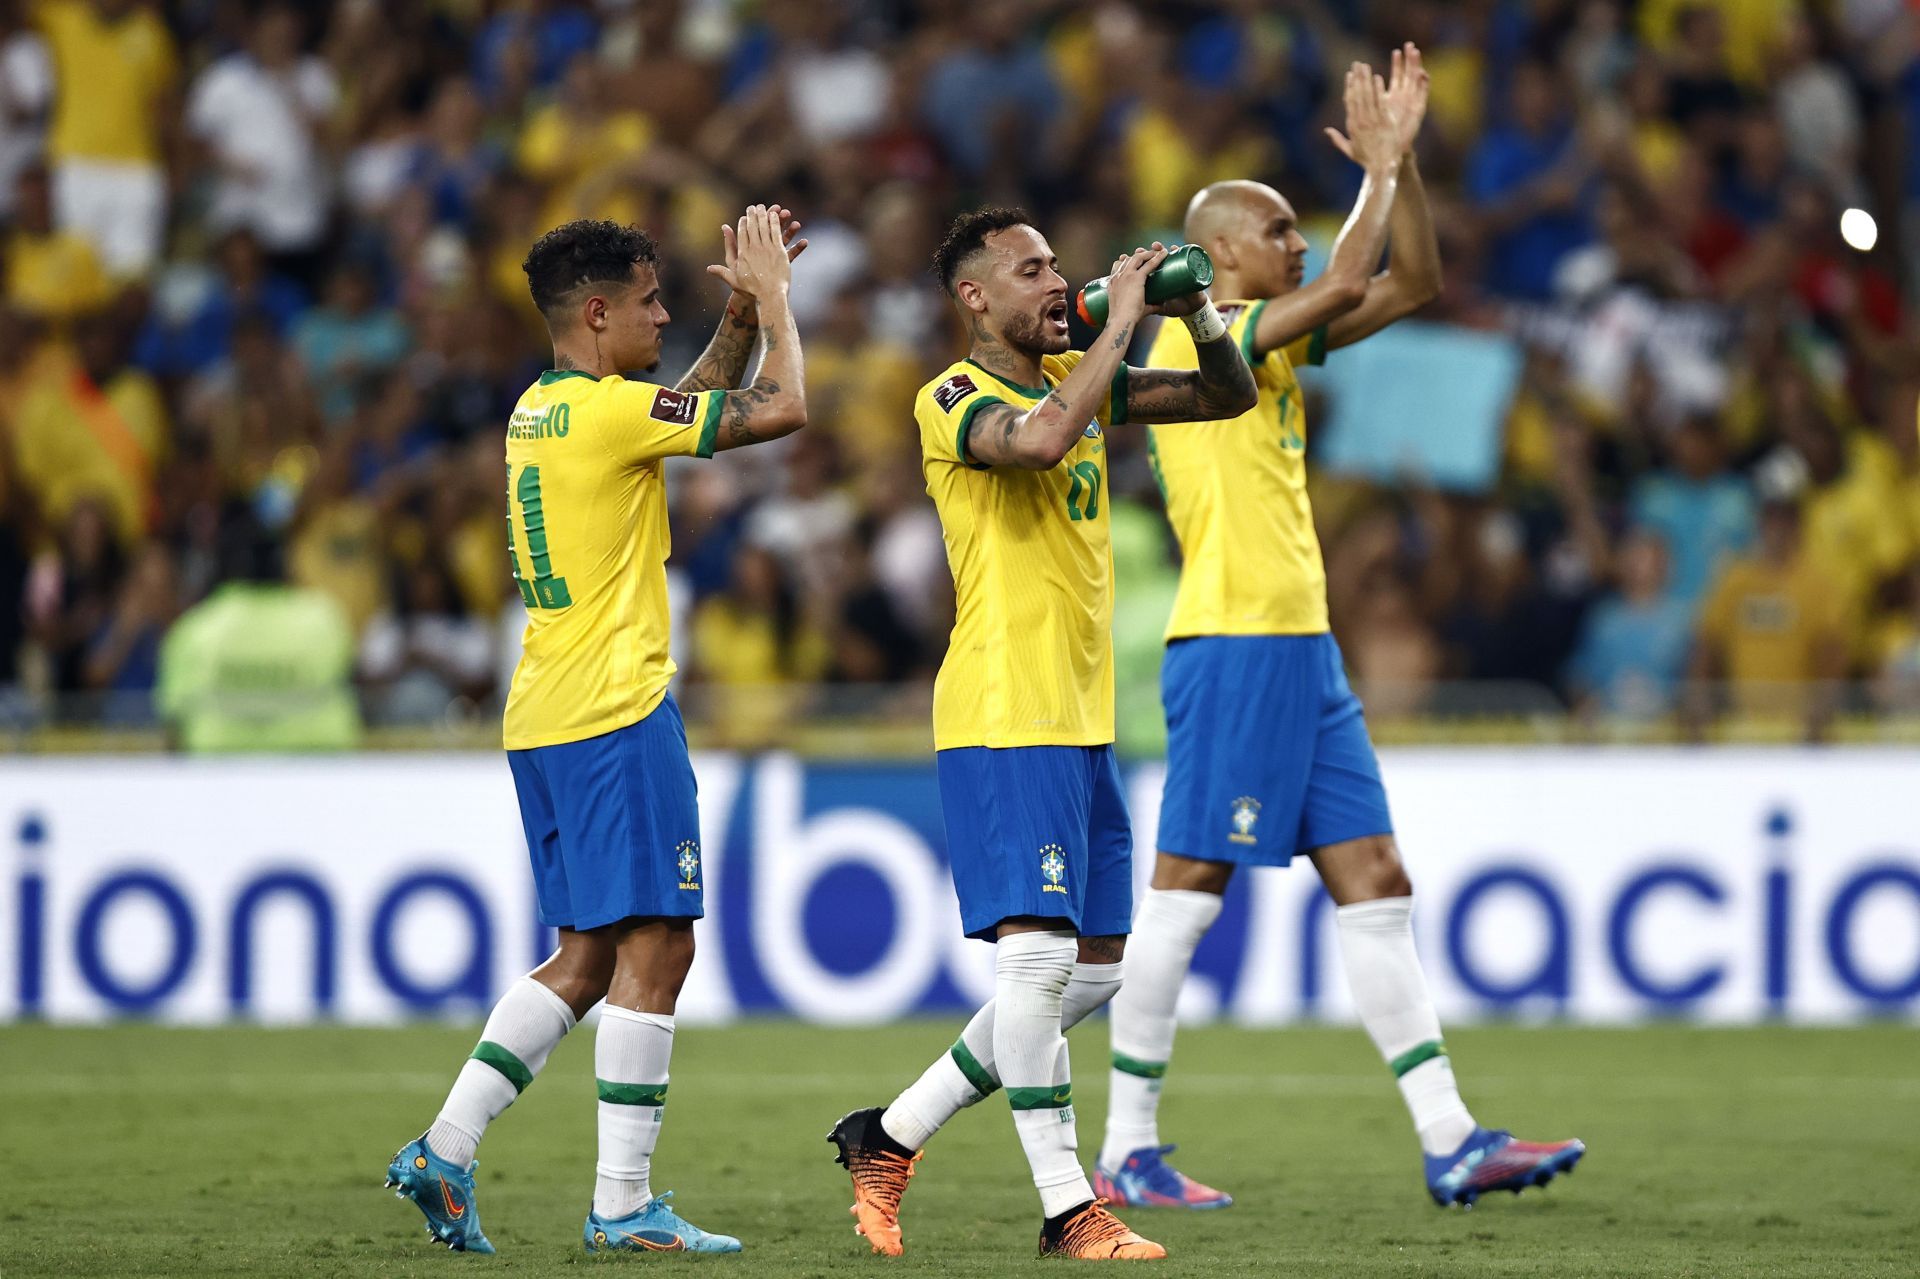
(489,1053)
(1134,1066)
(1417,1055)
(1041,1098)
(632,1094)
(970,1066)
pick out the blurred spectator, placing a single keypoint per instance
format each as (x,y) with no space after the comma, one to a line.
(123,657)
(752,644)
(348,339)
(26,89)
(51,274)
(258,665)
(192,328)
(262,114)
(428,653)
(114,122)
(89,428)
(1633,646)
(1775,627)
(1701,514)
(991,98)
(1527,179)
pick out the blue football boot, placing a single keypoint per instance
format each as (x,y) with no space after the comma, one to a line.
(443,1192)
(1494,1160)
(655,1228)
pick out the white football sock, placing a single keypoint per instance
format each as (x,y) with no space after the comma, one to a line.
(1166,932)
(1390,994)
(630,1057)
(965,1073)
(1031,974)
(520,1032)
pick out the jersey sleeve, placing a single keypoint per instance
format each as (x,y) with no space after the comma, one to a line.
(1310,349)
(645,423)
(945,412)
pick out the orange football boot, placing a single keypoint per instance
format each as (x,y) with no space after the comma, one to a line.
(1094,1234)
(880,1176)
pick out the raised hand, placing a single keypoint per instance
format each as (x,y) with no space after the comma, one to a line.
(1127,285)
(1407,87)
(762,260)
(728,271)
(1372,139)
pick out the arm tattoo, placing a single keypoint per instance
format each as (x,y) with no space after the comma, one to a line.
(1053,398)
(740,408)
(1225,380)
(1123,338)
(982,445)
(721,366)
(1222,383)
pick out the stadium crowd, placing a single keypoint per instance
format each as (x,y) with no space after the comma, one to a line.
(264,320)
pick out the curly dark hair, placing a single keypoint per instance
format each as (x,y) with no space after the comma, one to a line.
(587,251)
(968,235)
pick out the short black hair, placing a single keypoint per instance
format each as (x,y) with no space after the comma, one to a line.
(968,235)
(587,251)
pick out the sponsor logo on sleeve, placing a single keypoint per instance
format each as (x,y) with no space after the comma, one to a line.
(952,391)
(672,406)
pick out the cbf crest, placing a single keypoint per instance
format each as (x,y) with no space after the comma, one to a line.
(1053,869)
(689,864)
(1246,812)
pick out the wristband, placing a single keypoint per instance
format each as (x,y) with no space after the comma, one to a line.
(1206,324)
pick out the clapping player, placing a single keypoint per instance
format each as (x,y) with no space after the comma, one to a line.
(594,740)
(1267,752)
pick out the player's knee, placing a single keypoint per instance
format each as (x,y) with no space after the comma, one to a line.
(1382,873)
(1191,875)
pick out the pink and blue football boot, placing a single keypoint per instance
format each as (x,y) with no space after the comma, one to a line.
(1494,1160)
(1146,1180)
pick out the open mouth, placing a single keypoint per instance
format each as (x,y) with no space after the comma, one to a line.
(1057,315)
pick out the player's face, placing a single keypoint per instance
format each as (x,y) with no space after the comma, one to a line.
(634,318)
(1271,251)
(1025,293)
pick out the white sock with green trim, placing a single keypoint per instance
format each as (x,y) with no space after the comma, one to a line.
(1166,932)
(631,1052)
(1390,994)
(965,1073)
(520,1033)
(1031,973)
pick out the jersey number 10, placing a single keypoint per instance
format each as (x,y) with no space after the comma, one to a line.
(543,590)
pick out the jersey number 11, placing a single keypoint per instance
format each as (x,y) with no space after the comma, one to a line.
(543,590)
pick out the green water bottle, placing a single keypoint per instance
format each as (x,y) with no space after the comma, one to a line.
(1186,269)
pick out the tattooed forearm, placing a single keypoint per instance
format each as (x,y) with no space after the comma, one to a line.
(1226,383)
(737,416)
(1122,337)
(724,362)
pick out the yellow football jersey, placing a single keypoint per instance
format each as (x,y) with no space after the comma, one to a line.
(1030,662)
(1236,494)
(587,534)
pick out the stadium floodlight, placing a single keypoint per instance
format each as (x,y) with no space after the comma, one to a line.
(1859,230)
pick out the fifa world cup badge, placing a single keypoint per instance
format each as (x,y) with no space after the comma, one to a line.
(1053,868)
(1246,811)
(689,864)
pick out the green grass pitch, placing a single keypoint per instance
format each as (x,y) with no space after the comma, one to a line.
(142,1151)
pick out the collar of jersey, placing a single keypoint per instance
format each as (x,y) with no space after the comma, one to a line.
(551,376)
(1031,392)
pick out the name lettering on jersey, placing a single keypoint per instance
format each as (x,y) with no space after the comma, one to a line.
(952,391)
(672,406)
(551,424)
